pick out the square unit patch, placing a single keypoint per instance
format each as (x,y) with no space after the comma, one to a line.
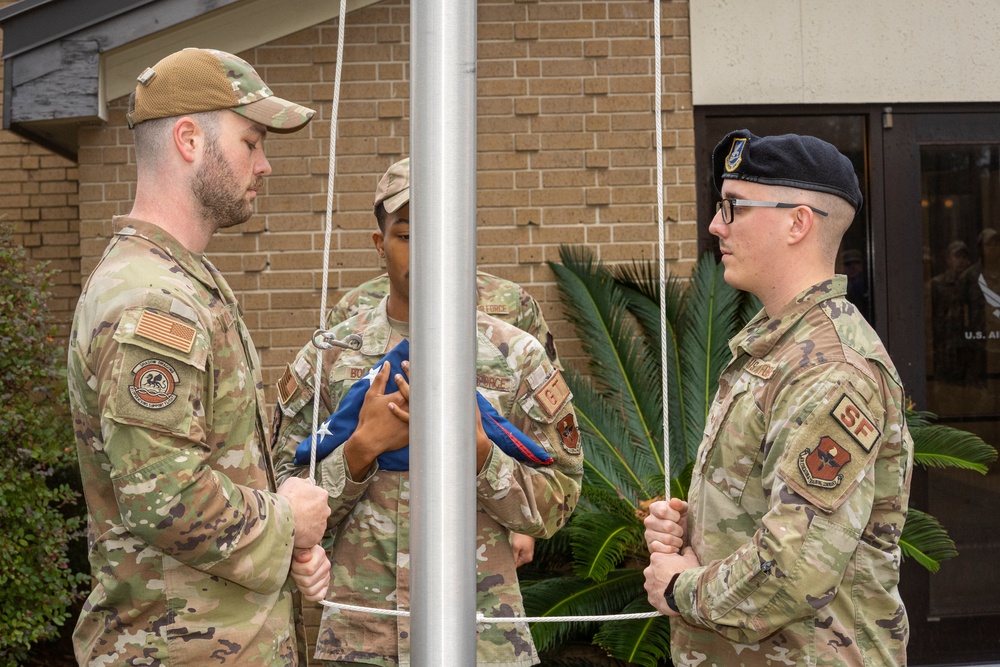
(552,393)
(856,423)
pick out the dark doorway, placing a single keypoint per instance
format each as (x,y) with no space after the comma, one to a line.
(942,213)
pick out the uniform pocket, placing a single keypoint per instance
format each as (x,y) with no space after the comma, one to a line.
(734,431)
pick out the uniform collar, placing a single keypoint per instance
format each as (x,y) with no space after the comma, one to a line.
(376,336)
(763,332)
(194,264)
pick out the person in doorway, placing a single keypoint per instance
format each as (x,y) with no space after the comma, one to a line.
(368,479)
(787,551)
(191,542)
(954,355)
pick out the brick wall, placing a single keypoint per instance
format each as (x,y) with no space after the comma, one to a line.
(566,155)
(38,198)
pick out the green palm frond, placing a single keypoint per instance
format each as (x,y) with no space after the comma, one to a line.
(572,596)
(711,316)
(611,456)
(601,540)
(917,418)
(642,641)
(619,361)
(940,446)
(647,314)
(925,540)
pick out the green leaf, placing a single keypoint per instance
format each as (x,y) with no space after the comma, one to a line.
(940,446)
(641,641)
(620,361)
(925,540)
(571,596)
(602,540)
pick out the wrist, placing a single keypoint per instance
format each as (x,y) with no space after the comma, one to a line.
(668,593)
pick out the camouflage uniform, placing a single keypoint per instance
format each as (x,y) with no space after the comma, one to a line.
(798,498)
(371,541)
(503,299)
(189,550)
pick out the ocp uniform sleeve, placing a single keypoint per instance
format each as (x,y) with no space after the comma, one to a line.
(157,403)
(526,499)
(820,477)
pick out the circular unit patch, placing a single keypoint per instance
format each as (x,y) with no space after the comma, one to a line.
(153,382)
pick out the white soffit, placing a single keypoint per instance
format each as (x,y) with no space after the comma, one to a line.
(240,27)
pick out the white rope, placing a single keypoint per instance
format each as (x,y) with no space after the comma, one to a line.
(664,388)
(482,618)
(318,377)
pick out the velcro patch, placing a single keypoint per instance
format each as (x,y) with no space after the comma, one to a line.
(495,383)
(287,386)
(569,434)
(762,369)
(494,308)
(165,331)
(856,423)
(153,384)
(822,466)
(552,393)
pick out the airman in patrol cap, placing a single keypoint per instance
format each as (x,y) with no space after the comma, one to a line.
(191,542)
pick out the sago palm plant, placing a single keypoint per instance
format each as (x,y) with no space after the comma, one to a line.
(620,409)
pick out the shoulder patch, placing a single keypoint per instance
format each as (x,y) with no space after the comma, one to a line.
(822,466)
(287,386)
(165,331)
(569,434)
(856,423)
(552,393)
(153,384)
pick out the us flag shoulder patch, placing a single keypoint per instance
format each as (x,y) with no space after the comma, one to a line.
(165,331)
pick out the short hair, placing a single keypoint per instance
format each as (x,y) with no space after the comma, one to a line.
(380,214)
(150,136)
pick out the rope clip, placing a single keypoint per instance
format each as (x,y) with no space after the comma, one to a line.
(325,340)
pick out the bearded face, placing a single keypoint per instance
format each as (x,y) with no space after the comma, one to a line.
(222,195)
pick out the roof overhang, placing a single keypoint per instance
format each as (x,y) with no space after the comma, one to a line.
(64,59)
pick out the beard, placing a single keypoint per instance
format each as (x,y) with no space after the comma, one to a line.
(223,203)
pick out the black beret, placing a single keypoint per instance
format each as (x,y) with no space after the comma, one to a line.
(789,160)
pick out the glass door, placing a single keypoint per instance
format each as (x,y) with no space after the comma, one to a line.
(942,240)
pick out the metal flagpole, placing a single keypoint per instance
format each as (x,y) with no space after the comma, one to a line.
(443,332)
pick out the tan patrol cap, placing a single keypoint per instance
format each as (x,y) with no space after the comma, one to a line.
(394,188)
(195,80)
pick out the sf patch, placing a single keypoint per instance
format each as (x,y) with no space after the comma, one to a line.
(823,465)
(154,384)
(856,423)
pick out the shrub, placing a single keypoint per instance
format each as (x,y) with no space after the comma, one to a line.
(38,515)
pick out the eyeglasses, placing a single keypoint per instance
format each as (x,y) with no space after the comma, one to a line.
(728,207)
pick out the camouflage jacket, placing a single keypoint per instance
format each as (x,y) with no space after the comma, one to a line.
(798,497)
(189,550)
(503,299)
(371,541)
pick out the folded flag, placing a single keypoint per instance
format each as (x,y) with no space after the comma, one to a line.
(341,424)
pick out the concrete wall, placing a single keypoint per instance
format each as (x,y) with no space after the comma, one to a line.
(844,51)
